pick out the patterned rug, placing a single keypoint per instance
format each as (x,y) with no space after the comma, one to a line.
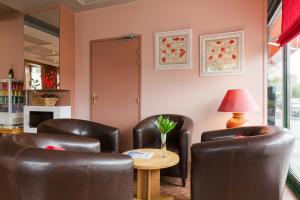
(172,187)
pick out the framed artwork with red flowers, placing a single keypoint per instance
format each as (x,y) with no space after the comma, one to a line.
(222,54)
(173,50)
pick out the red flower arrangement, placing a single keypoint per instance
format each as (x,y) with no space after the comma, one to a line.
(49,80)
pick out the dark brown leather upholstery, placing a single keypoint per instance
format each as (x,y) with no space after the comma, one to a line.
(147,135)
(254,167)
(107,135)
(4,135)
(29,172)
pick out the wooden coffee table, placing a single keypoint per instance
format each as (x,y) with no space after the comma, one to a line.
(148,173)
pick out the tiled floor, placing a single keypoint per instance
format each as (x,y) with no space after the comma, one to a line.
(295,161)
(172,187)
(295,129)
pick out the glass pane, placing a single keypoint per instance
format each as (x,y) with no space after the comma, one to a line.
(294,62)
(275,75)
(3,97)
(17,97)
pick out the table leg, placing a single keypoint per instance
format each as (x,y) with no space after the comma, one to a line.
(154,183)
(148,185)
(142,184)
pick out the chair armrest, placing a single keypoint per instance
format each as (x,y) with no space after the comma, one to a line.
(186,129)
(68,142)
(230,146)
(68,158)
(228,133)
(184,136)
(99,175)
(108,137)
(184,140)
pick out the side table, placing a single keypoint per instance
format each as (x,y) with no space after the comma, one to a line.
(148,173)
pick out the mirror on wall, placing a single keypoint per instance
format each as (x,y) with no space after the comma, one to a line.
(41,50)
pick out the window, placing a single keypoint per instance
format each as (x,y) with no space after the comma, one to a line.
(275,74)
(293,55)
(284,91)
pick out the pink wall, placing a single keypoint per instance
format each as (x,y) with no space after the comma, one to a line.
(178,91)
(67,51)
(11,46)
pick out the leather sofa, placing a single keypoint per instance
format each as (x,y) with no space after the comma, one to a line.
(147,135)
(242,163)
(30,172)
(107,135)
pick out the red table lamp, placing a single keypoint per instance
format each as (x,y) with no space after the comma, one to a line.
(238,102)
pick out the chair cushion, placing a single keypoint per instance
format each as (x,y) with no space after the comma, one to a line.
(239,136)
(56,148)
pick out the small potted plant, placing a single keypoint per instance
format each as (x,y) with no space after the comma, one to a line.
(165,126)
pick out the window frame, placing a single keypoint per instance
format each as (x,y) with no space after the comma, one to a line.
(293,181)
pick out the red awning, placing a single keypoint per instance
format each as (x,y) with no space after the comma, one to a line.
(290,26)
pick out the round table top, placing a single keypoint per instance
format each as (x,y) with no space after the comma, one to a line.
(155,162)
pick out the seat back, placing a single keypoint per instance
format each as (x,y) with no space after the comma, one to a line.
(29,172)
(251,167)
(107,135)
(151,133)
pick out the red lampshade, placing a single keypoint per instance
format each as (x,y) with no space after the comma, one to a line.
(239,101)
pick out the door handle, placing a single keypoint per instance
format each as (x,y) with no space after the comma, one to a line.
(94,98)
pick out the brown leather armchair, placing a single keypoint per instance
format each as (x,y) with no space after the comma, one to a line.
(147,135)
(242,163)
(107,135)
(28,171)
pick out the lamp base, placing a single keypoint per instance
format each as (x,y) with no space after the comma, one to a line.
(237,120)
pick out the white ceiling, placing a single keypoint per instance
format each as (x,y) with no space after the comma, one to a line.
(76,5)
(50,17)
(41,47)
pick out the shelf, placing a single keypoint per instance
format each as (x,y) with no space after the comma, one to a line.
(12,100)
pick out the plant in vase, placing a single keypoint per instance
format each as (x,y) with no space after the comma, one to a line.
(165,126)
(45,99)
(34,84)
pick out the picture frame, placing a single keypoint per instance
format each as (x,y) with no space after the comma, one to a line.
(173,50)
(222,54)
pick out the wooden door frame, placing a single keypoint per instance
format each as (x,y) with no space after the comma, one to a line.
(139,38)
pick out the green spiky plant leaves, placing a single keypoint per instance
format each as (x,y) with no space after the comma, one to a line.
(164,124)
